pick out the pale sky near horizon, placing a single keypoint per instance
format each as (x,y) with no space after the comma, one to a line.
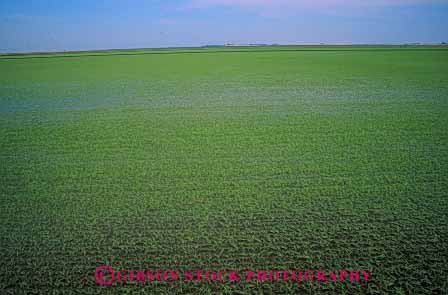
(44,25)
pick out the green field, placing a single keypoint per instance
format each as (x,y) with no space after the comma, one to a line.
(236,158)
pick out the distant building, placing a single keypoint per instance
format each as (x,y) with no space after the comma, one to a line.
(245,45)
(212,46)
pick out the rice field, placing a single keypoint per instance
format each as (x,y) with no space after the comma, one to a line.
(270,158)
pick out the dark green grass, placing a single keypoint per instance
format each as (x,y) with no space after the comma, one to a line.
(221,49)
(227,160)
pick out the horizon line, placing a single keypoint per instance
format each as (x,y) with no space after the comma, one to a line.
(226,45)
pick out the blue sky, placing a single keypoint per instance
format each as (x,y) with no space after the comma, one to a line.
(42,25)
